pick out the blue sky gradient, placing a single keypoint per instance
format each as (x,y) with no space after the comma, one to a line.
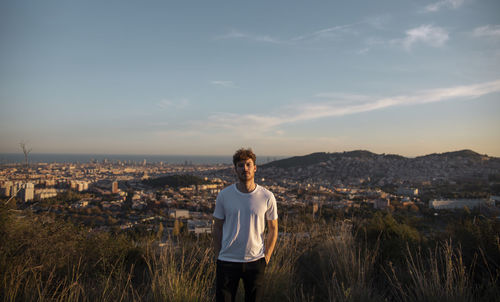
(284,77)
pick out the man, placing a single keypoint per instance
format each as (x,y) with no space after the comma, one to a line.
(241,213)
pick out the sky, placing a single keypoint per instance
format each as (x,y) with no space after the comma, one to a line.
(283,77)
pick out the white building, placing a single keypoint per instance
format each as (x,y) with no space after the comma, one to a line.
(6,188)
(178,213)
(27,192)
(440,204)
(199,226)
(45,193)
(79,185)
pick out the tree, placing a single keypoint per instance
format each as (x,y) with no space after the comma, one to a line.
(391,236)
(26,152)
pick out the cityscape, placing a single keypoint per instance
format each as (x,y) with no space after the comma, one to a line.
(113,195)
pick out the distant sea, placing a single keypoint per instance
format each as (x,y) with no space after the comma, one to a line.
(6,158)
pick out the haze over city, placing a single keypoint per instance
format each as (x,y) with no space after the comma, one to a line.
(284,77)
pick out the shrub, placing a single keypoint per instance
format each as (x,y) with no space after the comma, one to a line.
(391,236)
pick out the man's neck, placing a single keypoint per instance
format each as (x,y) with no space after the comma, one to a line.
(246,187)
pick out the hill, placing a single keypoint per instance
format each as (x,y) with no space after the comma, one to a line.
(318,157)
(175,181)
(465,154)
(362,164)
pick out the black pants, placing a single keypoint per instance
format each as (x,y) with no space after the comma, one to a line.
(228,276)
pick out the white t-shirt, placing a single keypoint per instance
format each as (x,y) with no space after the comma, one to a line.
(245,216)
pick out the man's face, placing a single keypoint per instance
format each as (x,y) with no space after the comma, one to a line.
(245,169)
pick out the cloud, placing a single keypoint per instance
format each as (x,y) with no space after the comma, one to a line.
(434,7)
(327,33)
(342,105)
(224,83)
(373,42)
(379,22)
(343,97)
(363,51)
(234,34)
(232,121)
(321,34)
(428,34)
(173,104)
(487,31)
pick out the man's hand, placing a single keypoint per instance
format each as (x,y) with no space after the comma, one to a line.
(217,236)
(271,238)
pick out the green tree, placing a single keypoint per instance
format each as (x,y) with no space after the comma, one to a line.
(392,236)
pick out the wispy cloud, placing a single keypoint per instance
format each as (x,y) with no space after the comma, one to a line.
(342,97)
(453,4)
(379,22)
(327,33)
(427,34)
(318,35)
(363,51)
(492,31)
(173,104)
(234,34)
(374,22)
(333,33)
(341,105)
(233,121)
(228,84)
(424,34)
(373,42)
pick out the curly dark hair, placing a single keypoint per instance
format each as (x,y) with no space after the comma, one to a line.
(244,154)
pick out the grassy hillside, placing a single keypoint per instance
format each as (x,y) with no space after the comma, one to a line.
(377,258)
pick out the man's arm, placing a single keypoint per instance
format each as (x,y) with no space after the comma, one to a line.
(271,238)
(217,236)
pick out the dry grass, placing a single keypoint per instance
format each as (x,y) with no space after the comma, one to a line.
(180,274)
(57,262)
(441,275)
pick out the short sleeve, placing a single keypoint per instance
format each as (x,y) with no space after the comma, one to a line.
(272,209)
(219,207)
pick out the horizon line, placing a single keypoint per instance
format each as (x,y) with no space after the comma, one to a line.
(230,155)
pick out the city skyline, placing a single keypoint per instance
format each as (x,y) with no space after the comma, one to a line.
(285,78)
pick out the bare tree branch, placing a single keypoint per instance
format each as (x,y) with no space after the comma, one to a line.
(26,152)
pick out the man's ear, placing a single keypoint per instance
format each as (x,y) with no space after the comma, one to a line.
(255,168)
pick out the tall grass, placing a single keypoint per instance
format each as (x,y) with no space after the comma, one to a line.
(441,275)
(336,268)
(180,274)
(55,261)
